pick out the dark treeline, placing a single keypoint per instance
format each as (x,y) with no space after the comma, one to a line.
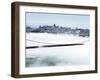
(59,29)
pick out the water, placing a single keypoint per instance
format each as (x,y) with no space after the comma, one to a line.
(56,56)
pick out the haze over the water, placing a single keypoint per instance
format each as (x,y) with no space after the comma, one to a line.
(64,20)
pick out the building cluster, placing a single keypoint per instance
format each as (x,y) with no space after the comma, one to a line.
(56,29)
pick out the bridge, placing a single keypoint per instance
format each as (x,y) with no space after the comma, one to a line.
(52,44)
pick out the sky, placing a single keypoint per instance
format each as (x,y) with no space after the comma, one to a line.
(64,20)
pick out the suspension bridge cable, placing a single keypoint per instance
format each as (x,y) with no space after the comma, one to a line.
(52,43)
(39,41)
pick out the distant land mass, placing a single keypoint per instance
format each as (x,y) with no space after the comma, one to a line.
(56,29)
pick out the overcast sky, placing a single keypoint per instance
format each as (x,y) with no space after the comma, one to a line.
(65,20)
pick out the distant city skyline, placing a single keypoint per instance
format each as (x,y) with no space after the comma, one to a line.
(65,20)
